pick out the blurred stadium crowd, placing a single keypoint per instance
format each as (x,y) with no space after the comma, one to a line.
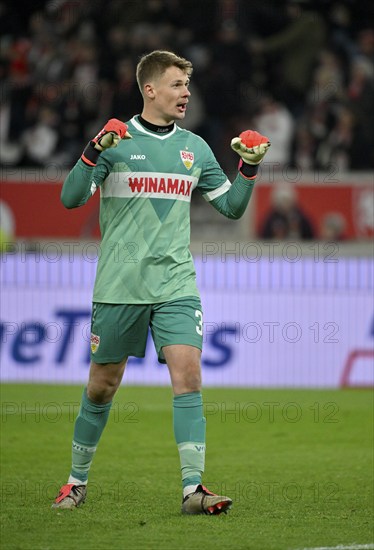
(301,72)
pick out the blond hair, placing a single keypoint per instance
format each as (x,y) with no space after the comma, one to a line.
(154,64)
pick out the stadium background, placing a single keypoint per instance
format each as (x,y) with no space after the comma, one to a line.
(287,289)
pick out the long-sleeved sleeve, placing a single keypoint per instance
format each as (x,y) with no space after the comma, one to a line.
(82,182)
(233,203)
(230,199)
(77,186)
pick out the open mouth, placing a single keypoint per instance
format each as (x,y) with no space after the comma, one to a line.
(182,107)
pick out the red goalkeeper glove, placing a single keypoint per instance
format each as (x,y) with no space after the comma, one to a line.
(112,133)
(251,146)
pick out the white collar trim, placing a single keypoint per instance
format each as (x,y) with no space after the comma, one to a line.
(141,128)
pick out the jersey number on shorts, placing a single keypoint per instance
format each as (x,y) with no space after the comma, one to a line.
(199,328)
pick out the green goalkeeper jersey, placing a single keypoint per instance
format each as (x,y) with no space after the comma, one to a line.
(145,192)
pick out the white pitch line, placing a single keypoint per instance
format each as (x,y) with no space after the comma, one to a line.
(343,547)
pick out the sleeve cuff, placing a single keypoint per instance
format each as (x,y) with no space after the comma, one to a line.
(90,155)
(248,171)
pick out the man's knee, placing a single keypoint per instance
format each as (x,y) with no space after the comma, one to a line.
(104,380)
(184,366)
(189,380)
(101,392)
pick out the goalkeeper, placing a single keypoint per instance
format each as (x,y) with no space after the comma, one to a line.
(146,170)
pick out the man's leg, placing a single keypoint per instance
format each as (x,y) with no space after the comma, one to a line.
(189,428)
(188,417)
(103,382)
(117,332)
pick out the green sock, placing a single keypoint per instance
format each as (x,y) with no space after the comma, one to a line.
(88,428)
(189,431)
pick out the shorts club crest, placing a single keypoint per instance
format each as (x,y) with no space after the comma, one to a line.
(95,342)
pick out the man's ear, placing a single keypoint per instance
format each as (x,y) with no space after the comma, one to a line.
(149,91)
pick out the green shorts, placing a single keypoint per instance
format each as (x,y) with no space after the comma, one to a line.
(121,330)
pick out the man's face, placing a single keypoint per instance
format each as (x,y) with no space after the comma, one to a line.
(170,95)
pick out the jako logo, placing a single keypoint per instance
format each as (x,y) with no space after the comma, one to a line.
(137,157)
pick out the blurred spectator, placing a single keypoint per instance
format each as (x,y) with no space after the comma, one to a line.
(296,49)
(274,120)
(333,227)
(220,85)
(335,148)
(75,59)
(360,96)
(286,220)
(69,104)
(10,151)
(338,117)
(304,148)
(118,43)
(341,24)
(41,139)
(126,99)
(365,44)
(328,79)
(18,86)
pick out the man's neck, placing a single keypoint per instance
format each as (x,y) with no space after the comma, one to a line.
(158,128)
(155,117)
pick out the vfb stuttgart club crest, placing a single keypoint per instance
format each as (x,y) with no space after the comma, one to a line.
(187,159)
(95,342)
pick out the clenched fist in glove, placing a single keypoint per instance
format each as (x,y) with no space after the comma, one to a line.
(112,133)
(251,146)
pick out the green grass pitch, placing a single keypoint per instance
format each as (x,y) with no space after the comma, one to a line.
(297,463)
